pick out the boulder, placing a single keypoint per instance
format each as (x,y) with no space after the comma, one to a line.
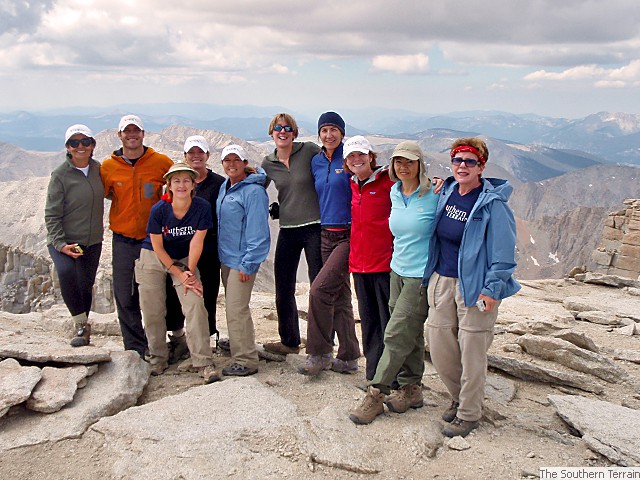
(56,388)
(44,349)
(116,386)
(599,317)
(608,429)
(627,355)
(536,373)
(610,280)
(16,383)
(576,358)
(579,339)
(536,328)
(499,389)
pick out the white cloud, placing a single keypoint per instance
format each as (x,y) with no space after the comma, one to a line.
(602,77)
(404,64)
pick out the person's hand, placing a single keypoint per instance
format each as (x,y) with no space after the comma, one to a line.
(187,278)
(195,286)
(489,302)
(244,277)
(70,249)
(437,184)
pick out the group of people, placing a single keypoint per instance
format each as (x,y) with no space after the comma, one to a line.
(440,252)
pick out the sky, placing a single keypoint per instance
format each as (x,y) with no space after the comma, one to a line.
(562,58)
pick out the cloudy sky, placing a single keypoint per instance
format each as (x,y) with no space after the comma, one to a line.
(565,58)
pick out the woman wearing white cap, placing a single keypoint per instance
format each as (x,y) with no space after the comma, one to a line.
(73,217)
(175,236)
(371,244)
(196,154)
(412,219)
(243,244)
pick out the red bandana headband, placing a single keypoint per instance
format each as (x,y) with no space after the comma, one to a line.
(470,149)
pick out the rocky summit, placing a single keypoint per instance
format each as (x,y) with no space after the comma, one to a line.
(562,390)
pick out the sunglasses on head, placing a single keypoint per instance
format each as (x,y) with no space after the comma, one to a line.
(286,128)
(457,161)
(75,143)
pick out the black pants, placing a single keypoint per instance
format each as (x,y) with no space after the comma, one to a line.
(372,290)
(209,268)
(291,243)
(125,252)
(77,277)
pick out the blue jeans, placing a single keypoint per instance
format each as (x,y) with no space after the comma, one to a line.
(77,277)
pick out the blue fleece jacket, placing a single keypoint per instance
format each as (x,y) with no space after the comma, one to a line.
(333,187)
(243,223)
(487,251)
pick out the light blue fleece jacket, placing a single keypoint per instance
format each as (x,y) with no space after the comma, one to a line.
(412,226)
(487,251)
(243,223)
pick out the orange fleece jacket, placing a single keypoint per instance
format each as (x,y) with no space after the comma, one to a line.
(133,190)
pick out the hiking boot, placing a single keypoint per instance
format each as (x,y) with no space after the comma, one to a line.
(340,366)
(238,370)
(187,367)
(279,349)
(83,336)
(408,396)
(210,374)
(158,368)
(459,428)
(370,408)
(315,364)
(450,413)
(178,349)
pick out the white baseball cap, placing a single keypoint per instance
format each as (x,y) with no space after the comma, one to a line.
(196,141)
(77,128)
(237,149)
(130,120)
(356,144)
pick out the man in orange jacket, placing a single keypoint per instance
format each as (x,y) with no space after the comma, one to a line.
(133,180)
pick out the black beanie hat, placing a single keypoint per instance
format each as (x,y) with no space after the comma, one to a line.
(331,118)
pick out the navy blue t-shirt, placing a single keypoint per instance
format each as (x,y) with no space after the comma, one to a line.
(450,229)
(176,234)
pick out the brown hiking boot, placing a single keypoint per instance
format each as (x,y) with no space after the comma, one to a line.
(450,413)
(370,408)
(406,397)
(178,349)
(279,349)
(459,428)
(314,364)
(210,374)
(83,336)
(158,368)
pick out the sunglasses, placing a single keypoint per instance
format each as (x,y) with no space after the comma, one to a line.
(457,161)
(286,128)
(74,143)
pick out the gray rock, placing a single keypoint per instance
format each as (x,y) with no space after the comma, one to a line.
(628,330)
(43,349)
(610,280)
(627,355)
(529,371)
(56,388)
(578,304)
(425,439)
(16,383)
(117,386)
(608,429)
(596,316)
(237,425)
(458,443)
(332,439)
(576,358)
(499,389)
(536,328)
(577,338)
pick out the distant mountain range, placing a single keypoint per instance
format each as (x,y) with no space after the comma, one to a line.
(605,137)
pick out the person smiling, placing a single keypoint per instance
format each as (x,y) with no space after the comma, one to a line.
(243,244)
(330,308)
(176,231)
(470,268)
(289,168)
(73,217)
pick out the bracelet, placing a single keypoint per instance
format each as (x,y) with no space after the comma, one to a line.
(180,265)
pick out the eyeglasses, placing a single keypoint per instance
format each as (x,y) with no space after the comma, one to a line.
(286,128)
(75,143)
(457,161)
